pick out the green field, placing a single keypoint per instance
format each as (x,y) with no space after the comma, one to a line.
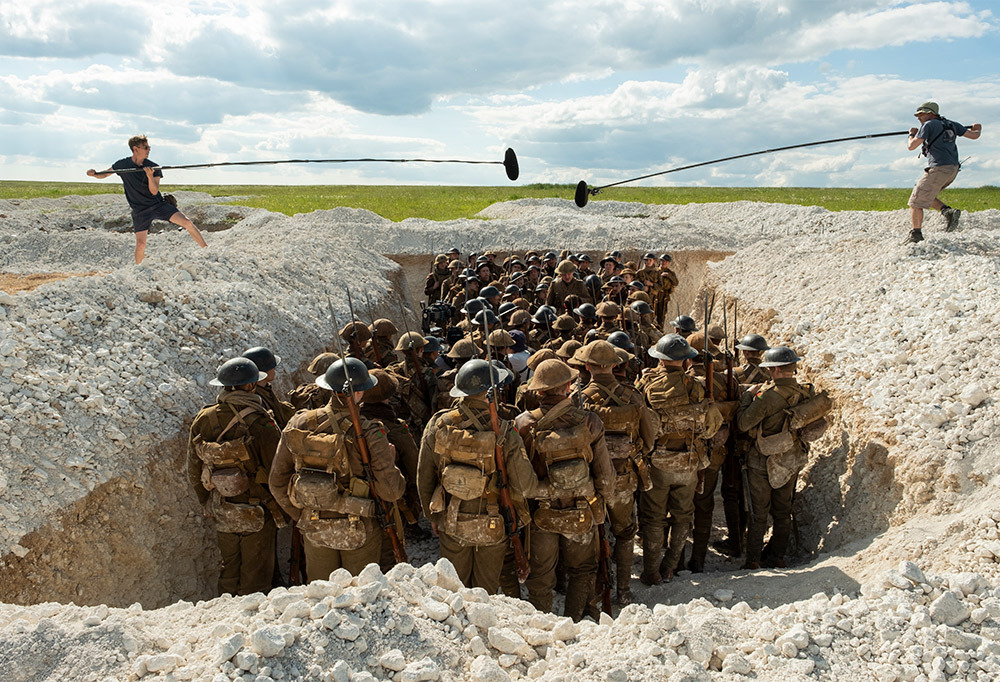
(397,202)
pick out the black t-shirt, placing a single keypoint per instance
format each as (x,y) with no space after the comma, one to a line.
(136,185)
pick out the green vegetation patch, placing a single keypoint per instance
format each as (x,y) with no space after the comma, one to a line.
(397,202)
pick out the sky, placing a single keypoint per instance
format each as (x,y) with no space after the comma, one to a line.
(595,90)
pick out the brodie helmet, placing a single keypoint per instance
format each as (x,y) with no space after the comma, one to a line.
(336,377)
(237,372)
(263,358)
(672,347)
(778,356)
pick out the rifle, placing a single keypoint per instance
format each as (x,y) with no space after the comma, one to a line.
(375,350)
(604,547)
(506,503)
(381,513)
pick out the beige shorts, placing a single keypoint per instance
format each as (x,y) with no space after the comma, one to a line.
(930,184)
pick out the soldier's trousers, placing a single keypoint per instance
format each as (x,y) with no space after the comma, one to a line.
(322,561)
(580,560)
(509,584)
(673,492)
(247,560)
(704,509)
(774,501)
(476,566)
(733,499)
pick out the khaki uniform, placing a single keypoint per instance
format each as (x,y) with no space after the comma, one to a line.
(661,303)
(435,283)
(564,529)
(411,402)
(281,410)
(605,330)
(751,374)
(650,277)
(458,445)
(385,355)
(308,396)
(246,522)
(406,452)
(630,434)
(334,511)
(762,414)
(678,400)
(559,290)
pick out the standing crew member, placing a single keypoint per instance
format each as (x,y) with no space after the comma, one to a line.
(230,451)
(142,191)
(318,477)
(936,137)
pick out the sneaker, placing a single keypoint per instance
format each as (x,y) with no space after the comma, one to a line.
(951,215)
(915,236)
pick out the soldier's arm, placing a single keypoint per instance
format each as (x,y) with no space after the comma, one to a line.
(389,483)
(550,297)
(604,470)
(427,474)
(194,468)
(521,475)
(752,412)
(649,425)
(282,468)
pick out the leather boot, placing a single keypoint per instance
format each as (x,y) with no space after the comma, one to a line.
(623,553)
(697,562)
(652,548)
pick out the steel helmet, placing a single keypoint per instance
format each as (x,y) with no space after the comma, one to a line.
(336,377)
(564,323)
(506,309)
(512,289)
(485,317)
(475,377)
(489,292)
(544,315)
(777,356)
(753,342)
(684,323)
(383,327)
(672,347)
(567,350)
(263,358)
(237,372)
(587,311)
(648,255)
(463,348)
(600,353)
(473,306)
(642,308)
(565,267)
(551,374)
(433,344)
(621,340)
(410,341)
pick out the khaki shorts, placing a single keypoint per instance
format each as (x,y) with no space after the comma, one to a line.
(930,184)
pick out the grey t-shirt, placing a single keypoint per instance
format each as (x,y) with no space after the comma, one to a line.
(939,137)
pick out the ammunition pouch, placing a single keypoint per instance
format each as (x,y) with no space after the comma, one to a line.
(475,530)
(620,446)
(313,489)
(783,467)
(776,444)
(321,451)
(676,461)
(568,475)
(625,485)
(344,533)
(229,481)
(234,518)
(569,521)
(464,481)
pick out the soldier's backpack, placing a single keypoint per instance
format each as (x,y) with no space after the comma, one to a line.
(783,450)
(466,446)
(566,455)
(333,501)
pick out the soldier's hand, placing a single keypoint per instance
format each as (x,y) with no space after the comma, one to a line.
(434,529)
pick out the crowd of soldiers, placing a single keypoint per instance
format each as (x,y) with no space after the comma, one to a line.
(540,420)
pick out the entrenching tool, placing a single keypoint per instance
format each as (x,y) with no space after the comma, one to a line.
(584,192)
(381,513)
(509,163)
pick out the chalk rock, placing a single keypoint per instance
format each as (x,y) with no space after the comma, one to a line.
(973,395)
(340,672)
(162,663)
(447,576)
(565,630)
(506,640)
(911,572)
(420,671)
(948,609)
(434,609)
(961,640)
(267,641)
(723,596)
(393,660)
(483,616)
(485,669)
(735,664)
(227,648)
(347,631)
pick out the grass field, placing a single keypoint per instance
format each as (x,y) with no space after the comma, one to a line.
(397,202)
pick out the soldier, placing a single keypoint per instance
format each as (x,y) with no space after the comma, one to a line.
(753,346)
(416,390)
(381,346)
(632,367)
(230,452)
(310,396)
(583,266)
(564,327)
(615,291)
(609,313)
(376,408)
(684,325)
(668,282)
(548,264)
(439,274)
(778,451)
(357,335)
(609,268)
(542,333)
(649,273)
(684,420)
(267,362)
(704,497)
(525,399)
(492,296)
(460,352)
(630,433)
(566,285)
(567,448)
(459,481)
(318,477)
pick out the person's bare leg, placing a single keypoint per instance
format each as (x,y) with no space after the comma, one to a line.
(916,217)
(140,246)
(937,204)
(182,220)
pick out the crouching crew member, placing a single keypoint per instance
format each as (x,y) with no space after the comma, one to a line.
(230,452)
(319,479)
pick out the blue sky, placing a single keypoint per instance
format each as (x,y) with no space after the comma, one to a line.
(591,89)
